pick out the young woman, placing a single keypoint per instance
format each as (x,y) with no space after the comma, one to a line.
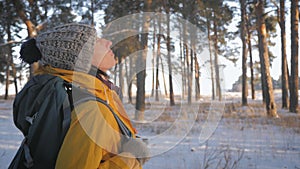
(96,136)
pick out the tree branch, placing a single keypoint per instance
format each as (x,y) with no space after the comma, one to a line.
(10,42)
(21,13)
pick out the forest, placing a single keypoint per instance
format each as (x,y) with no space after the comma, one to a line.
(165,48)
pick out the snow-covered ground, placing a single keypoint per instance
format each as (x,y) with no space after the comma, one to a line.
(10,136)
(243,138)
(256,143)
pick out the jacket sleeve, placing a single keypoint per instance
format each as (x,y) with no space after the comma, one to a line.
(90,139)
(121,161)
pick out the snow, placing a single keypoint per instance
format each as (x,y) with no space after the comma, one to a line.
(258,144)
(10,136)
(243,137)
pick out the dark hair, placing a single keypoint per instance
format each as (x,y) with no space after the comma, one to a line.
(29,52)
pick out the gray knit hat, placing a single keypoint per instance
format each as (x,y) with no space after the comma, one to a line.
(69,46)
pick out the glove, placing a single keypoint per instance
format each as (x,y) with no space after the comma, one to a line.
(138,149)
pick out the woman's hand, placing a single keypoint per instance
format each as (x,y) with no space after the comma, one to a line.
(137,148)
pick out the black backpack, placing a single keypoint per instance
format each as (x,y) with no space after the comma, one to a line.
(45,125)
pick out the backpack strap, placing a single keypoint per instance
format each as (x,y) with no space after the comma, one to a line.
(125,131)
(68,107)
(28,158)
(83,96)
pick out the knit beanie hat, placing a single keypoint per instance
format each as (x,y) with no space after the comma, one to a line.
(69,47)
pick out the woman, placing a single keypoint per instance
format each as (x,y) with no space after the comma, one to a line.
(95,138)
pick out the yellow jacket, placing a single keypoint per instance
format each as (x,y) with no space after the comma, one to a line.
(93,139)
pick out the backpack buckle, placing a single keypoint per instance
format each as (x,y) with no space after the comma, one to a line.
(31,119)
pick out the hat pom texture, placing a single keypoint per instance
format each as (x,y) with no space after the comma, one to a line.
(69,47)
(29,52)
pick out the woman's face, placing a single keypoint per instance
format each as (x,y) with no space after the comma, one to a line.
(103,57)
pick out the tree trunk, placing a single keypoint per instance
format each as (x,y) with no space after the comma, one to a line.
(250,56)
(244,53)
(189,83)
(141,61)
(197,78)
(92,11)
(163,75)
(182,68)
(158,56)
(191,73)
(157,68)
(264,59)
(141,75)
(260,46)
(211,61)
(8,55)
(284,66)
(294,56)
(121,78)
(153,62)
(14,71)
(129,92)
(115,74)
(128,78)
(171,92)
(194,63)
(218,84)
(187,60)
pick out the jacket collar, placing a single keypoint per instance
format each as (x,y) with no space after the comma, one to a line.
(80,79)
